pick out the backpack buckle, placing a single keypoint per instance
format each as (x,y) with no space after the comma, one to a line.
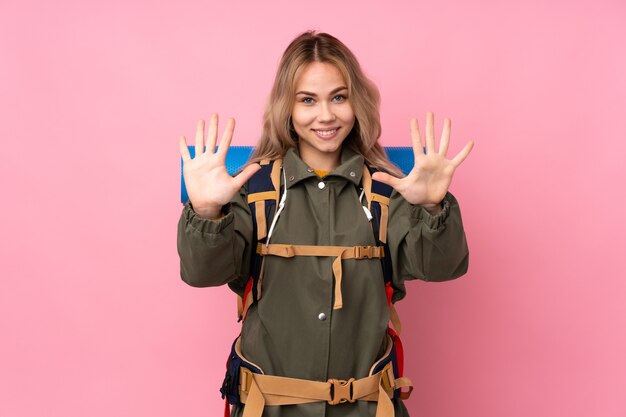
(363,252)
(387,378)
(341,391)
(245,379)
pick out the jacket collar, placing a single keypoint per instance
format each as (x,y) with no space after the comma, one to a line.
(350,168)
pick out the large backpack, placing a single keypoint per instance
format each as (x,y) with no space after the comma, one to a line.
(263,199)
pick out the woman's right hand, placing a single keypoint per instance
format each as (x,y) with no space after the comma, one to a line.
(209,185)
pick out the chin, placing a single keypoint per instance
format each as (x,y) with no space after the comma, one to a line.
(330,148)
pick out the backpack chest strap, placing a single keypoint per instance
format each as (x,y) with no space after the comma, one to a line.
(339,252)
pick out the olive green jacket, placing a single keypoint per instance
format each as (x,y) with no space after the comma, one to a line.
(293,330)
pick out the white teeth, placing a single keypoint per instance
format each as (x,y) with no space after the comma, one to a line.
(326,132)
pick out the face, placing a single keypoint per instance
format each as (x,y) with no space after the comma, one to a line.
(322,115)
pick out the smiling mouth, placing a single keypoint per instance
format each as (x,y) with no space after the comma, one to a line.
(327,132)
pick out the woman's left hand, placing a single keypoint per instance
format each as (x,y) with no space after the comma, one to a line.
(428,181)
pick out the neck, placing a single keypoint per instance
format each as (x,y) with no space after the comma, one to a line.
(325,162)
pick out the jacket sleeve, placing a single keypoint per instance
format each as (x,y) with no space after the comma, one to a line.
(216,252)
(423,246)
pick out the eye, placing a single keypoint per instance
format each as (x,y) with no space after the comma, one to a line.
(304,100)
(341,97)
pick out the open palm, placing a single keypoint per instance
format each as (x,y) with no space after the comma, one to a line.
(428,181)
(209,185)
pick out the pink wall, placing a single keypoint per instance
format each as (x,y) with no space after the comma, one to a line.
(94,317)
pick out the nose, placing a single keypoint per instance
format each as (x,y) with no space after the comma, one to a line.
(326,114)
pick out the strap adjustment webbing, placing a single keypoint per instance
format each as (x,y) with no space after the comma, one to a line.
(339,252)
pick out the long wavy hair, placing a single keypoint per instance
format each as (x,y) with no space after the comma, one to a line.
(278,132)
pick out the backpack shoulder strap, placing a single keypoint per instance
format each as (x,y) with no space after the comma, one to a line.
(378,195)
(263,197)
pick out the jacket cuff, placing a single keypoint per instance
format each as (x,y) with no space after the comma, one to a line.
(433,222)
(207,225)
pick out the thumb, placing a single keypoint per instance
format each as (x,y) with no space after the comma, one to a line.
(386,179)
(245,175)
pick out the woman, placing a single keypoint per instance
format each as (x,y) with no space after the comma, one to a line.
(320,318)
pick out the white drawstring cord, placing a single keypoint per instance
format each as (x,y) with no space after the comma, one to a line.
(280,208)
(283,199)
(367,212)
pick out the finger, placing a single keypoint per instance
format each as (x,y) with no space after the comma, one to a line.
(418,148)
(212,136)
(460,157)
(200,138)
(445,137)
(245,175)
(184,150)
(386,179)
(227,137)
(430,133)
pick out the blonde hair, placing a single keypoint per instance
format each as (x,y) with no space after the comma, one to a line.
(278,133)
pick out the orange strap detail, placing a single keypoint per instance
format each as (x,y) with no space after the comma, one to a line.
(384,219)
(261,225)
(393,314)
(339,252)
(395,319)
(260,280)
(381,199)
(265,195)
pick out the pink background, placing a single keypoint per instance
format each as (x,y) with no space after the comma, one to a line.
(94,317)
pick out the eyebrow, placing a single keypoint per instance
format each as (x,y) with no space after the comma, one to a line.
(332,92)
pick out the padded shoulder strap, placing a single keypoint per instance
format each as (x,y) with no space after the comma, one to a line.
(263,197)
(378,197)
